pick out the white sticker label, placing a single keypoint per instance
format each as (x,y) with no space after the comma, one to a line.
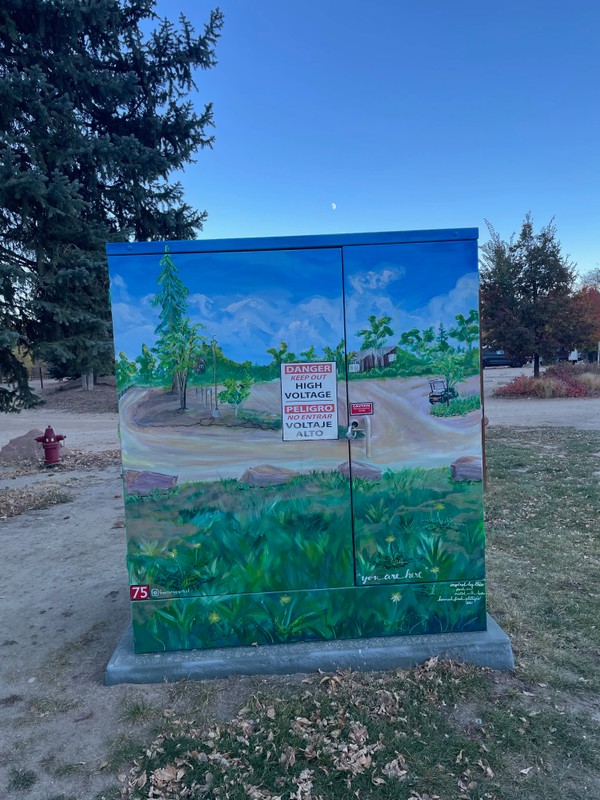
(309,401)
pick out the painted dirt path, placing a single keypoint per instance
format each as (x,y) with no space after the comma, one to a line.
(404,434)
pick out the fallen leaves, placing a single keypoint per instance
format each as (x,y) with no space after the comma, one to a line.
(14,502)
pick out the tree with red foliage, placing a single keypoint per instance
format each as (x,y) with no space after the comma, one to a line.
(588,298)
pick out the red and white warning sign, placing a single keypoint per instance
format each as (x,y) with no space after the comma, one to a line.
(309,401)
(360,409)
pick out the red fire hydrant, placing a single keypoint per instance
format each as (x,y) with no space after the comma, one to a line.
(51,443)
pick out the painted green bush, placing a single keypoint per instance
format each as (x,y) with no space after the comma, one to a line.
(458,407)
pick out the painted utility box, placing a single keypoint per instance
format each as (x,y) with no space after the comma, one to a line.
(300,427)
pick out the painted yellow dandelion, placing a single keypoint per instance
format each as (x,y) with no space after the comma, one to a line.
(396,597)
(285,599)
(391,539)
(172,553)
(439,506)
(435,570)
(213,617)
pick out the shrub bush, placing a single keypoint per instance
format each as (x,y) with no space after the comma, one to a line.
(458,407)
(559,380)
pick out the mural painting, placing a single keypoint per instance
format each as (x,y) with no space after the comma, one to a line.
(301,438)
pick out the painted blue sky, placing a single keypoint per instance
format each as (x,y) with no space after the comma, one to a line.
(403,115)
(252,301)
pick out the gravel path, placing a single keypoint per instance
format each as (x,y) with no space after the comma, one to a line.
(577,412)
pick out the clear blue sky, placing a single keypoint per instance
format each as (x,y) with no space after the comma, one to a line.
(406,115)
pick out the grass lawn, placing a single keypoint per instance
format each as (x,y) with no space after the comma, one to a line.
(438,731)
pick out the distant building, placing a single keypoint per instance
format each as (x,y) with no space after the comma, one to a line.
(366,360)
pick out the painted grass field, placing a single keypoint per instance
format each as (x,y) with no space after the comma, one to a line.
(279,548)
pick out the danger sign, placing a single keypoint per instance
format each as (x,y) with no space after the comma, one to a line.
(309,401)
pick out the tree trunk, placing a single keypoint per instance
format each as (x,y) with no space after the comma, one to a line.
(536,365)
(182,391)
(87,381)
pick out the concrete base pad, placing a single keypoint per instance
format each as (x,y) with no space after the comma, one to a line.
(489,648)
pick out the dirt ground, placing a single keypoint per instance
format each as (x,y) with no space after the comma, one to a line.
(65,601)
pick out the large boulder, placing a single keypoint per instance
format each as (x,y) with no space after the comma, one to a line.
(267,475)
(23,448)
(467,468)
(145,482)
(360,470)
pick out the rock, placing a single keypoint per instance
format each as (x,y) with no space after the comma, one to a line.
(360,470)
(23,448)
(467,468)
(146,482)
(267,475)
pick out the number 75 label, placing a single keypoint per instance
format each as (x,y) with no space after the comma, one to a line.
(139,592)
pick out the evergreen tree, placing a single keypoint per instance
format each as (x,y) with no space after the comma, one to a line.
(13,324)
(179,345)
(527,295)
(171,297)
(441,340)
(95,115)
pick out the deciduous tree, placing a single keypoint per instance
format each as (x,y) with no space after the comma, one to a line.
(467,328)
(376,335)
(236,392)
(527,295)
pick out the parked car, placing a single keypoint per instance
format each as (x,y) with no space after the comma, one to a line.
(499,358)
(441,393)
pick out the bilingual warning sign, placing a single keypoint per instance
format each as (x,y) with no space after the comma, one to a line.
(309,401)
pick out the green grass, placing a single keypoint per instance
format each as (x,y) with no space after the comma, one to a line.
(137,711)
(41,707)
(543,550)
(440,729)
(22,780)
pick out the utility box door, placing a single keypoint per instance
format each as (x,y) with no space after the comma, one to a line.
(247,424)
(411,319)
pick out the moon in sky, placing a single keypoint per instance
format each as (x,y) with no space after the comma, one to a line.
(333,206)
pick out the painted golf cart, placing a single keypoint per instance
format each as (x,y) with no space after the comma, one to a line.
(441,392)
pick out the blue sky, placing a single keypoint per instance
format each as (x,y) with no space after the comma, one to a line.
(252,301)
(405,115)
